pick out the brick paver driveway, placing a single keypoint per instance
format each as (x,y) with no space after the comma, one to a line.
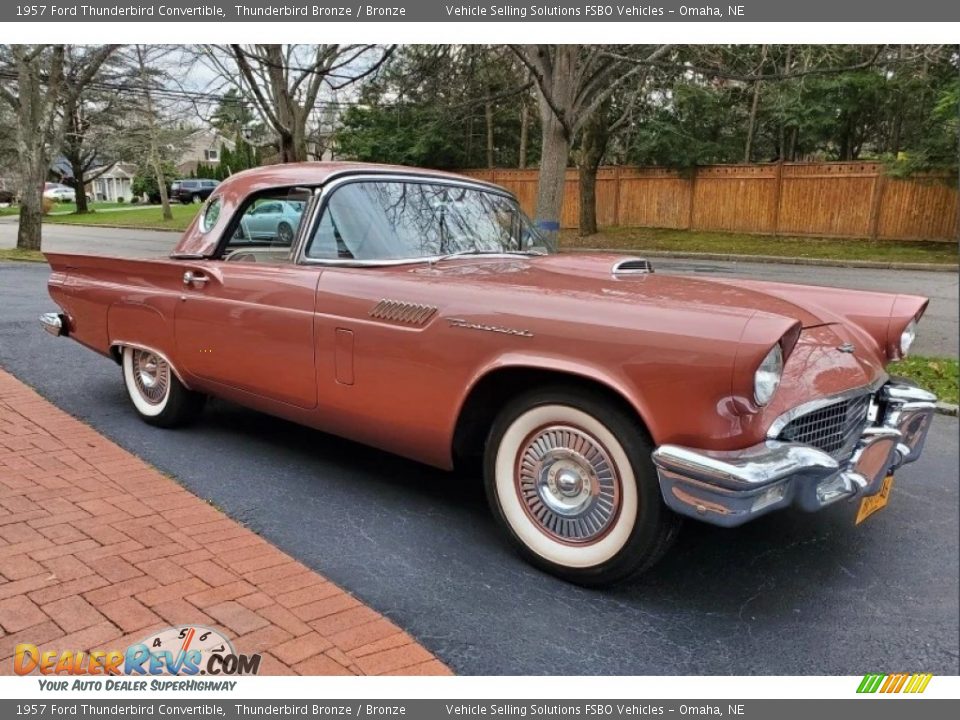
(93,555)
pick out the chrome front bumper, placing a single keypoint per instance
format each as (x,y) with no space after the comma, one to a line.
(729,488)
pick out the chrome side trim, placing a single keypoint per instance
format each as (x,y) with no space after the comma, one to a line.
(346,177)
(461,323)
(137,346)
(793,413)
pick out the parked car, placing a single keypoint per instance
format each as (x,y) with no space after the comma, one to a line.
(60,193)
(421,313)
(275,220)
(7,197)
(192,191)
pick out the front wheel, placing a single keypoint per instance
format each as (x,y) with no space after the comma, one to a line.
(569,476)
(157,394)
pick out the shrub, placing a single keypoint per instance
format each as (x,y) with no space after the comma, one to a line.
(121,200)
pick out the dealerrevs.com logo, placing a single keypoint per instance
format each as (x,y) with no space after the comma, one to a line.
(180,650)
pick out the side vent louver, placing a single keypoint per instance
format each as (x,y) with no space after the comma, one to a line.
(633,266)
(402,312)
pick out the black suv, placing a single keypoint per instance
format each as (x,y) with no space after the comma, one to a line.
(192,191)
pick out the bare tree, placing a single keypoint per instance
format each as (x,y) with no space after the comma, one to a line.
(92,118)
(572,82)
(149,113)
(285,82)
(39,83)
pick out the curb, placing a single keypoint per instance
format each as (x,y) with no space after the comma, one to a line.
(948,409)
(785,260)
(122,227)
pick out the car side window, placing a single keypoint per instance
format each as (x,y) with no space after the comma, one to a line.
(264,229)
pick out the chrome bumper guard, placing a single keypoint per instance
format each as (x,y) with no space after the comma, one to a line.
(54,323)
(729,488)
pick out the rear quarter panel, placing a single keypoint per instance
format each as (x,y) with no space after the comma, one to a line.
(108,300)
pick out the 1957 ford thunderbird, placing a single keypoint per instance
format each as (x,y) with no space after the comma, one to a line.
(422,313)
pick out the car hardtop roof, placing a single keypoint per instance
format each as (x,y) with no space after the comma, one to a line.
(319,172)
(236,190)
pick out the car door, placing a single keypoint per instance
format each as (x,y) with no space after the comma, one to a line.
(249,326)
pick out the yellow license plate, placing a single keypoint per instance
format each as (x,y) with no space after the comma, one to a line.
(870,504)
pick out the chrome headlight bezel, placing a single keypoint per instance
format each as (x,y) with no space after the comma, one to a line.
(766,378)
(907,338)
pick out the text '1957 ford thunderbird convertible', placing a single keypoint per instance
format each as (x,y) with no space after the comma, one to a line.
(422,313)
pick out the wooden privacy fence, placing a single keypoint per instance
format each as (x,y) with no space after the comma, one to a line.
(855,200)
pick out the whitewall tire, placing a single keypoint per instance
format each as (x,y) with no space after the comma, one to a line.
(569,475)
(155,391)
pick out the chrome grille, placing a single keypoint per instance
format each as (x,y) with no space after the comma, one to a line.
(833,428)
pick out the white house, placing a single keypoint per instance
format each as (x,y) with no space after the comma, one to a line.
(113,184)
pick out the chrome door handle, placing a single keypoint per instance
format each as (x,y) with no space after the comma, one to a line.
(190,278)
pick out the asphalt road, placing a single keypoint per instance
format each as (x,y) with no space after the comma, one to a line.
(788,594)
(938,331)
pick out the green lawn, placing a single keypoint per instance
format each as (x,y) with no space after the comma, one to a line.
(94,206)
(63,208)
(148,218)
(640,239)
(25,255)
(941,376)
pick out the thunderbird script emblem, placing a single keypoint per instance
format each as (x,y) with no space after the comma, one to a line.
(847,348)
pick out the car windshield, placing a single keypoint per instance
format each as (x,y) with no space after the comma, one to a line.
(395,220)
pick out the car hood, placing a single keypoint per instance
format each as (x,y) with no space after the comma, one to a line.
(592,276)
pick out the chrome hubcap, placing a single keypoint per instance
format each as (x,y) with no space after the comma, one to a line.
(151,375)
(568,484)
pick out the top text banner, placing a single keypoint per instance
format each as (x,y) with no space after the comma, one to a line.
(853,11)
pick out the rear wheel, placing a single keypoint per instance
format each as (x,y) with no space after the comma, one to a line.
(569,476)
(157,394)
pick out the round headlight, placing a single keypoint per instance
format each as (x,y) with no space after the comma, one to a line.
(907,337)
(767,378)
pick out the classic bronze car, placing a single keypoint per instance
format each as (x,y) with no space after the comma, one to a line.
(422,313)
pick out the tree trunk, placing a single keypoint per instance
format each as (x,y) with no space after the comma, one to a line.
(155,160)
(79,184)
(588,200)
(31,215)
(524,133)
(593,145)
(553,169)
(488,114)
(36,138)
(752,122)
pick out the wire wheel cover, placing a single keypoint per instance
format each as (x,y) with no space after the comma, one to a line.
(568,484)
(151,373)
